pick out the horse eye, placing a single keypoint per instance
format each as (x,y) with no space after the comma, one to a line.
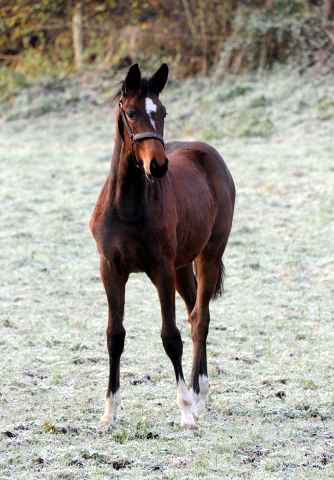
(131,115)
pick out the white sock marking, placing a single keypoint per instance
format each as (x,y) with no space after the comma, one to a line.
(112,403)
(185,402)
(204,388)
(150,107)
(194,400)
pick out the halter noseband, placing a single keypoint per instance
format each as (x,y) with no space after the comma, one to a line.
(137,136)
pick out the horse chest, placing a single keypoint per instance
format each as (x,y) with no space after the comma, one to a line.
(128,246)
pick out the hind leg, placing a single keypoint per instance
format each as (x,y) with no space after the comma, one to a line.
(203,381)
(165,282)
(207,276)
(186,286)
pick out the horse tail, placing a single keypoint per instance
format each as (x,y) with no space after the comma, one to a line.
(220,280)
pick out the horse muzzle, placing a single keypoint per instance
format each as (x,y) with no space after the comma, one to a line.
(157,171)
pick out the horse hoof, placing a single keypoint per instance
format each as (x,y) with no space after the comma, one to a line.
(187,421)
(107,420)
(189,426)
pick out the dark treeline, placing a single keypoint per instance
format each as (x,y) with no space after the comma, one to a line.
(194,36)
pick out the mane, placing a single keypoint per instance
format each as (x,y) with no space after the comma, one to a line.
(145,87)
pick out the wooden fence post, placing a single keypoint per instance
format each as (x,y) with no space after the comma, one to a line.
(77,35)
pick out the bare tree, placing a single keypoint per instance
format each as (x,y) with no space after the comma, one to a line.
(77,35)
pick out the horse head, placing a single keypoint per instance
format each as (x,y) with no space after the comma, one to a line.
(140,117)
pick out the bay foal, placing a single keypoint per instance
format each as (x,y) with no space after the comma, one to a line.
(168,218)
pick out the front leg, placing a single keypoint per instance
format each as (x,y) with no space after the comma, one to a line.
(164,280)
(114,285)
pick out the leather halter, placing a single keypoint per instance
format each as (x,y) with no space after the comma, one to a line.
(136,136)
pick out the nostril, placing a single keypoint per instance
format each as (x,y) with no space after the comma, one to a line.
(156,170)
(153,167)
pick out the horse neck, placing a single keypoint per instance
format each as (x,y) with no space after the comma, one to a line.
(127,182)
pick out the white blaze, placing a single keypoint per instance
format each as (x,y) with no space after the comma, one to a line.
(150,107)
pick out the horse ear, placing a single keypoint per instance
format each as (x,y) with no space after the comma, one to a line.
(132,79)
(159,78)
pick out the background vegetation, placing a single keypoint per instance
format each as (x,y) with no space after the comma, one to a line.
(191,35)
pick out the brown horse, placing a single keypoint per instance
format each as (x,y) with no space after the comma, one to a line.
(168,218)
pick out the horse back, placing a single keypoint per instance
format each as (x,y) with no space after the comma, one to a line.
(200,165)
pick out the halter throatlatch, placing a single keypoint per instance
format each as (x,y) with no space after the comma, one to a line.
(137,136)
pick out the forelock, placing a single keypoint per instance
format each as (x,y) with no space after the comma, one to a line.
(145,88)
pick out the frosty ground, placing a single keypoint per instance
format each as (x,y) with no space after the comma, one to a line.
(271,341)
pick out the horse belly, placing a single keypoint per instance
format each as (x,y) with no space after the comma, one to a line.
(191,242)
(196,203)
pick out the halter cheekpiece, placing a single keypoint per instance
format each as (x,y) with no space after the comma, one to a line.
(136,136)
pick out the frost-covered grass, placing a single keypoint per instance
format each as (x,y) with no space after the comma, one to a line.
(271,342)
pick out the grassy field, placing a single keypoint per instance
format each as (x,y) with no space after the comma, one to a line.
(271,342)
